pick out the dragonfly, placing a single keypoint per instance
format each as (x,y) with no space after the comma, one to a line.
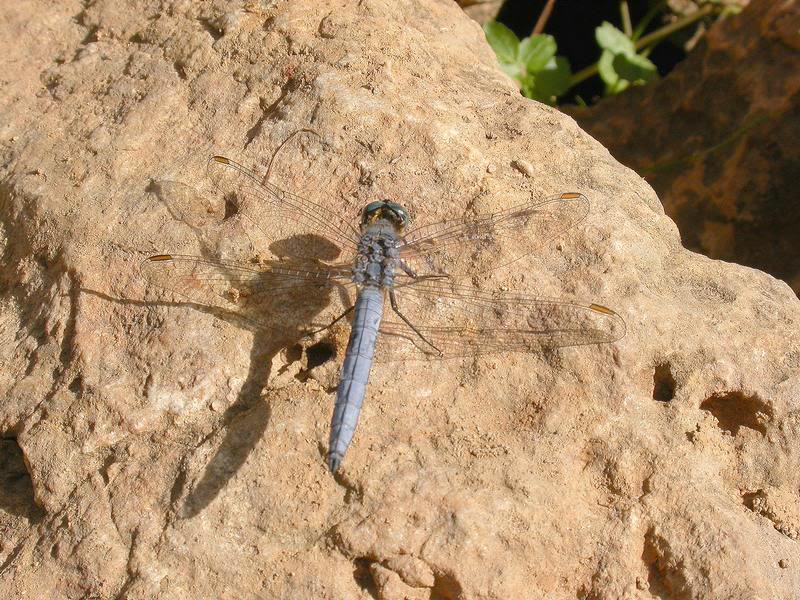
(401,284)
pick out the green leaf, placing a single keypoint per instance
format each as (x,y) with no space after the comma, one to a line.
(605,67)
(610,38)
(527,85)
(634,68)
(553,80)
(513,70)
(503,41)
(536,51)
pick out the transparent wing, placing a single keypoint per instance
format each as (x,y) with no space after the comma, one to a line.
(462,321)
(488,242)
(285,296)
(293,225)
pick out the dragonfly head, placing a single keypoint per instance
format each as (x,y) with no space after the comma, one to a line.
(388,211)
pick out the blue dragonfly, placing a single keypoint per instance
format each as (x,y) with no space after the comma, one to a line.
(400,283)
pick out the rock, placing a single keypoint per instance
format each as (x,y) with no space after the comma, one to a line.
(718,139)
(524,167)
(570,473)
(391,587)
(482,11)
(412,570)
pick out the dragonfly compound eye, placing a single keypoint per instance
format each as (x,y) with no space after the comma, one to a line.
(383,209)
(400,212)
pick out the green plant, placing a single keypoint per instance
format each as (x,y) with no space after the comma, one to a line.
(623,62)
(532,62)
(620,65)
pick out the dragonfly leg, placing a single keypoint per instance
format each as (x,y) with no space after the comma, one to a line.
(280,147)
(332,323)
(408,270)
(393,301)
(413,274)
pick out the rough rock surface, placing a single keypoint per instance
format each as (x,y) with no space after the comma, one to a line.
(172,454)
(718,139)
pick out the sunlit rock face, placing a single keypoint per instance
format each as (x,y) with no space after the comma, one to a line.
(159,448)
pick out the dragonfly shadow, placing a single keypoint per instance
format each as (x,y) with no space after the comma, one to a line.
(243,423)
(277,321)
(306,246)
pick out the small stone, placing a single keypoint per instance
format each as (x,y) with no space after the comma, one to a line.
(413,571)
(783,563)
(641,584)
(329,28)
(524,167)
(491,168)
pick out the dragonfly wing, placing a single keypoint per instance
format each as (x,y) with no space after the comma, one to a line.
(285,295)
(488,242)
(293,225)
(460,321)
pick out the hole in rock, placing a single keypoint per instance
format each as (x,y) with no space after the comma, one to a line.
(231,207)
(754,500)
(734,410)
(320,353)
(445,587)
(363,576)
(108,462)
(663,383)
(16,488)
(76,384)
(664,581)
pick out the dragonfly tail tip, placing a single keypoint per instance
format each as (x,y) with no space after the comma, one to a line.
(334,460)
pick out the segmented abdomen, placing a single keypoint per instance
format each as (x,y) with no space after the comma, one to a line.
(355,373)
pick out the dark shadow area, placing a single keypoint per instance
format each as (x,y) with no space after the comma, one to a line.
(306,246)
(16,489)
(657,582)
(754,500)
(319,353)
(244,423)
(665,577)
(663,383)
(445,587)
(276,300)
(278,320)
(363,576)
(734,410)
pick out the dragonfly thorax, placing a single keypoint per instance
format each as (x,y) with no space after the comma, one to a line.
(377,258)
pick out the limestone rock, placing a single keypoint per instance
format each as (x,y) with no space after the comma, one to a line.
(165,464)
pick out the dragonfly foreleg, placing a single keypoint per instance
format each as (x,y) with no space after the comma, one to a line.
(413,274)
(332,323)
(393,301)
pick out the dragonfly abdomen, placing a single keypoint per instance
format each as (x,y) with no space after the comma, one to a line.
(355,372)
